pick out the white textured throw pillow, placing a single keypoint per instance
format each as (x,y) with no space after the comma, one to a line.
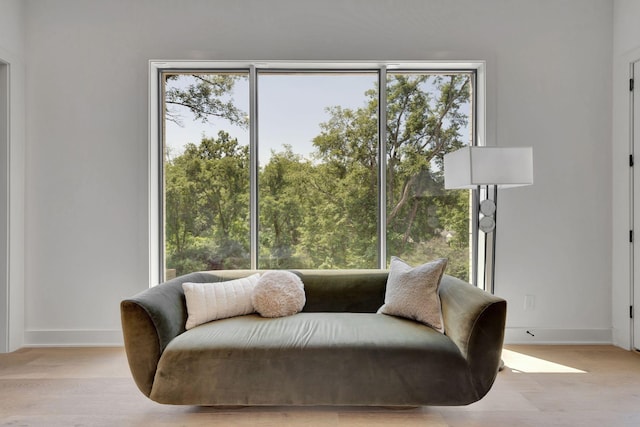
(413,292)
(211,301)
(278,294)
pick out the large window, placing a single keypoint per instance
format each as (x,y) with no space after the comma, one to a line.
(311,167)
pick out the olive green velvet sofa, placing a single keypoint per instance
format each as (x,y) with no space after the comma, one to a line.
(337,351)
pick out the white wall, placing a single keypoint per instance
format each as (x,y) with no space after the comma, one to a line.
(12,174)
(626,49)
(549,67)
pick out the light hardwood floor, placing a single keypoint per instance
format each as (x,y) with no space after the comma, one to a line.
(540,386)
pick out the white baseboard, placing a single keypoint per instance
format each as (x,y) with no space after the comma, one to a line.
(557,336)
(73,338)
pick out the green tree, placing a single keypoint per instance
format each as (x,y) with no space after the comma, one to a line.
(206,187)
(281,200)
(342,229)
(205,96)
(207,205)
(322,212)
(424,121)
(421,129)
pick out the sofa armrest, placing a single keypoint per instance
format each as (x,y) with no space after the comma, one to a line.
(475,322)
(150,320)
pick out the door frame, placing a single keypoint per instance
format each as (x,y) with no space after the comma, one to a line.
(5,165)
(634,147)
(12,203)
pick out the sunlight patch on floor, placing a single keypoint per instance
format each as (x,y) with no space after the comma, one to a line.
(522,363)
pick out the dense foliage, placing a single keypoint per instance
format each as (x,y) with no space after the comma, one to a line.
(322,212)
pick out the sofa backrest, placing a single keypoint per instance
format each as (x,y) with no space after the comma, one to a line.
(356,291)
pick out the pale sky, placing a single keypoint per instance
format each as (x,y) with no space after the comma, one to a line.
(290,108)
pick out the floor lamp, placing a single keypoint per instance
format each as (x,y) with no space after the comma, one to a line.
(485,170)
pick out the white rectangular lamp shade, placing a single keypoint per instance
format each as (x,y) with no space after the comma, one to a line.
(505,167)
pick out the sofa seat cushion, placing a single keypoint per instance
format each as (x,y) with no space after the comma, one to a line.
(312,358)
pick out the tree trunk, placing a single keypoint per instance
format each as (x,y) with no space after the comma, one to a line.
(412,217)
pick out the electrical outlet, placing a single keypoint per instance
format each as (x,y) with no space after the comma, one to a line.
(529,302)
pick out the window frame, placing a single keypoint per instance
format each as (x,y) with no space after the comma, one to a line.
(155,131)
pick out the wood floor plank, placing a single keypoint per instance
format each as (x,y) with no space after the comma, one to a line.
(540,386)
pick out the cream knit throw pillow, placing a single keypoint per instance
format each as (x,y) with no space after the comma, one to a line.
(413,292)
(211,301)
